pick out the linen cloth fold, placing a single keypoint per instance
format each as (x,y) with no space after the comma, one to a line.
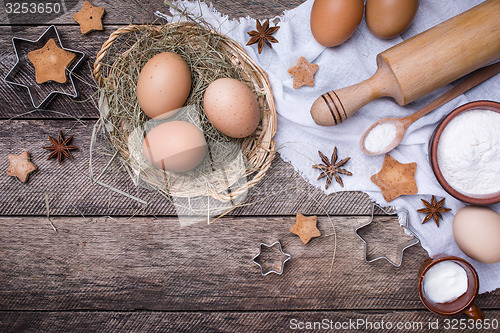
(299,138)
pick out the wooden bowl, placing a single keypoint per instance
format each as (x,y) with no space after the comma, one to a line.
(486,199)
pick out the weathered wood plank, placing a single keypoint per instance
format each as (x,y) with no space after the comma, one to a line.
(153,264)
(353,321)
(70,191)
(117,12)
(141,11)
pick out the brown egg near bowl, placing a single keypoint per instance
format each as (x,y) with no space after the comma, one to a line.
(464,152)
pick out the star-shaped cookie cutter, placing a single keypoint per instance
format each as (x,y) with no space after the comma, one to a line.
(288,257)
(23,72)
(404,220)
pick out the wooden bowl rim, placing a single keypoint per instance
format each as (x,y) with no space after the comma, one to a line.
(485,199)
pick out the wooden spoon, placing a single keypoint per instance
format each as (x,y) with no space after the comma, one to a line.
(402,124)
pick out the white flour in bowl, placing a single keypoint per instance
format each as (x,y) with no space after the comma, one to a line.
(469,152)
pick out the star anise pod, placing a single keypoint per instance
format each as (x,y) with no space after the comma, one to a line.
(331,168)
(433,210)
(262,35)
(60,148)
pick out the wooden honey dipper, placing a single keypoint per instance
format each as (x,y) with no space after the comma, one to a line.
(421,64)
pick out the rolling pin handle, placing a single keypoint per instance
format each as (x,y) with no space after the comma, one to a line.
(333,107)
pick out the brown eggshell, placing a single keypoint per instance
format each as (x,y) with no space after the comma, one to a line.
(176,146)
(163,85)
(389,18)
(232,107)
(334,21)
(477,233)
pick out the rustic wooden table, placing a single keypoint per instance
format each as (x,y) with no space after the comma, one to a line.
(115,264)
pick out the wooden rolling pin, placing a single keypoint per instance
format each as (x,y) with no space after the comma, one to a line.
(421,64)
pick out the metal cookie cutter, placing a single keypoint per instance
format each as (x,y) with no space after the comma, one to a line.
(23,72)
(403,217)
(288,257)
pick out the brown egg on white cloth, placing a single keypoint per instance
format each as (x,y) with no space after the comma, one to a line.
(389,18)
(477,233)
(164,85)
(334,21)
(176,146)
(232,107)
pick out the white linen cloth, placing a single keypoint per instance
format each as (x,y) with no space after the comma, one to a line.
(299,138)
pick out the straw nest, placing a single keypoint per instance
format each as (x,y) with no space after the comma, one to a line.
(232,166)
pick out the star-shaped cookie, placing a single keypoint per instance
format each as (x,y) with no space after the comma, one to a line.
(303,73)
(20,166)
(51,62)
(396,179)
(305,228)
(89,18)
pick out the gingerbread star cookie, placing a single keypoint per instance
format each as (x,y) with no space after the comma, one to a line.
(303,73)
(89,18)
(305,228)
(396,179)
(51,62)
(20,166)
